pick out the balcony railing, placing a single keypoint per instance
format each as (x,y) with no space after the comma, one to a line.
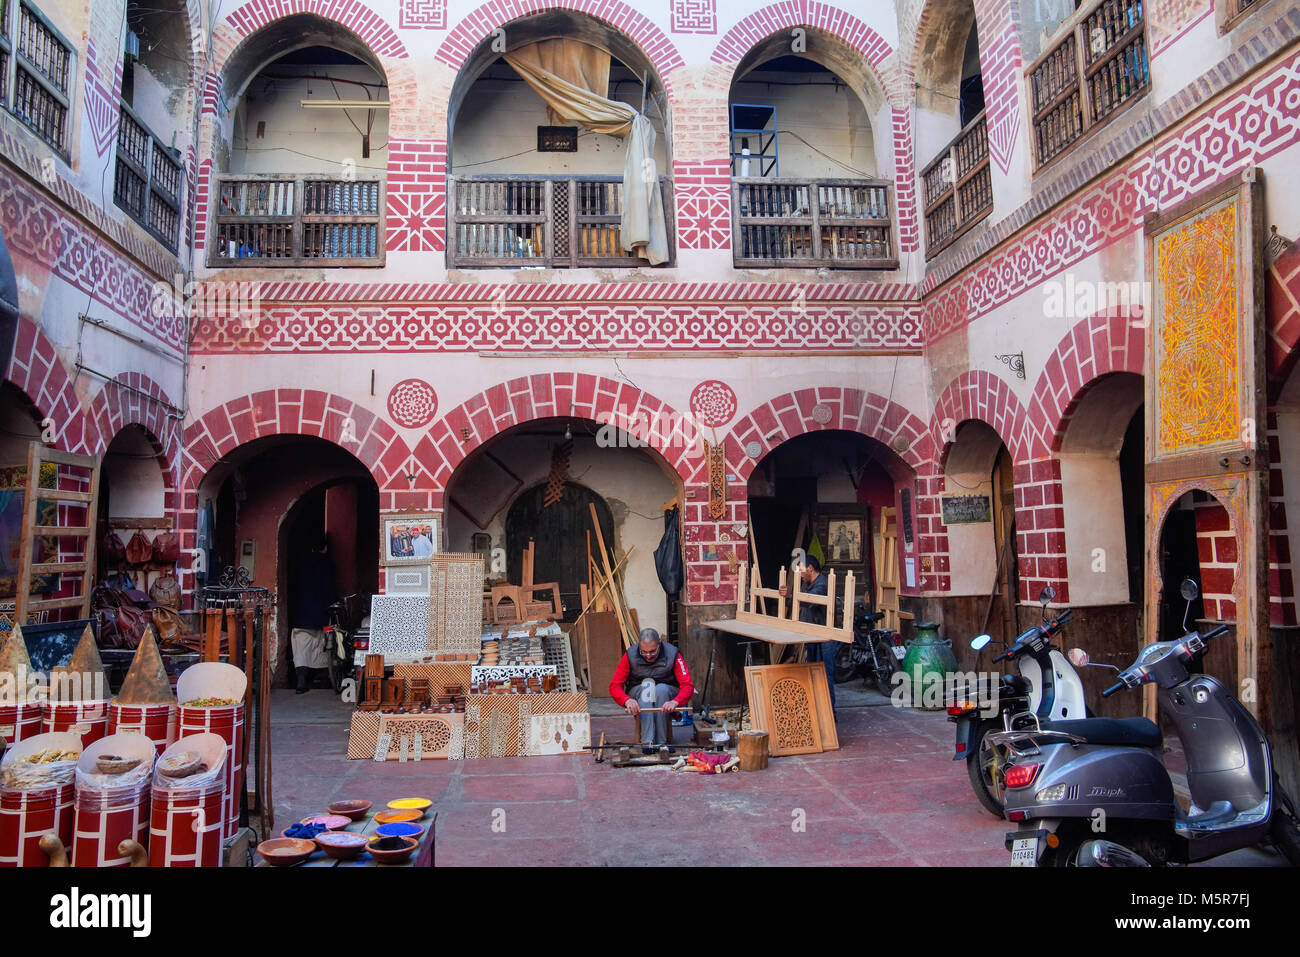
(958,187)
(297,221)
(843,223)
(554,222)
(147,179)
(1105,45)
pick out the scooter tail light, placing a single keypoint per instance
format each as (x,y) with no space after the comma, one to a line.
(961,707)
(1021,775)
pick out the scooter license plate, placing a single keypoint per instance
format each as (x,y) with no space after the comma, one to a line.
(1024,852)
(900,651)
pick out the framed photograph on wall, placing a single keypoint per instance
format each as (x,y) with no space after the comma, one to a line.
(409,538)
(845,536)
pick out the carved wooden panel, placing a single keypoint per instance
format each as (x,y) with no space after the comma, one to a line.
(792,704)
(1206,392)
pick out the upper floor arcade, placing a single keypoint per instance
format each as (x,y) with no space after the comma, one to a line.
(803,142)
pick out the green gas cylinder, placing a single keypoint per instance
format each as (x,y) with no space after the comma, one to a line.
(926,667)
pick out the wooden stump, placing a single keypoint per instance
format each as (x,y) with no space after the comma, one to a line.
(751,748)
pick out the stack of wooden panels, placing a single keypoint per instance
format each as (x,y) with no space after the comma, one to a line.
(500,725)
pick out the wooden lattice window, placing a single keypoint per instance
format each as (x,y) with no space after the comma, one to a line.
(958,187)
(1230,12)
(789,222)
(556,222)
(35,70)
(272,220)
(1097,68)
(147,179)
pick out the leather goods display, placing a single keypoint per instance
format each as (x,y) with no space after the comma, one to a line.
(138,549)
(166,547)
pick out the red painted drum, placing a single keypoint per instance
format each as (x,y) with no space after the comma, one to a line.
(21,721)
(36,799)
(216,681)
(157,722)
(89,719)
(112,802)
(187,815)
(226,721)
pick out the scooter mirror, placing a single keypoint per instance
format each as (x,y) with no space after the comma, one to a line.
(1078,657)
(1188,589)
(1046,595)
(980,641)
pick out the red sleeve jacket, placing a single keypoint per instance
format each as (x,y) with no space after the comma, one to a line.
(686,687)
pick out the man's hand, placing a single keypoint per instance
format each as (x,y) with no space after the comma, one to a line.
(632,707)
(670,705)
(782,590)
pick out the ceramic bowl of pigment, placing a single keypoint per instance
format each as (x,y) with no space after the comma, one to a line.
(411,804)
(391,850)
(286,851)
(343,845)
(352,810)
(332,822)
(400,829)
(395,817)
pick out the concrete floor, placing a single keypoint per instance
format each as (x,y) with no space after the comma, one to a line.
(891,796)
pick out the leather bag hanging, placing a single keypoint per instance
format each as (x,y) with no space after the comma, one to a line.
(138,549)
(111,548)
(166,547)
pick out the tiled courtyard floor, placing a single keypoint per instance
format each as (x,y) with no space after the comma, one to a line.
(892,795)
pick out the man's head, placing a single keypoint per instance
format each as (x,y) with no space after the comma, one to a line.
(650,644)
(812,567)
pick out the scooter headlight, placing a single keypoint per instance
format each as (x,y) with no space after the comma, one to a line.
(1056,792)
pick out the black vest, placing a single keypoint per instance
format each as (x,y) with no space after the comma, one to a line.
(662,669)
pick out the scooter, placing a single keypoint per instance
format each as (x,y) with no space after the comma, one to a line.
(1095,792)
(1047,686)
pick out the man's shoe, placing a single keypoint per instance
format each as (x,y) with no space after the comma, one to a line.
(304,678)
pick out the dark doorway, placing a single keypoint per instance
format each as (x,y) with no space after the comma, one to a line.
(1178,560)
(560,533)
(1132,463)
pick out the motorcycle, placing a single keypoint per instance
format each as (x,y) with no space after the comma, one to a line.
(340,632)
(1094,792)
(874,652)
(1047,686)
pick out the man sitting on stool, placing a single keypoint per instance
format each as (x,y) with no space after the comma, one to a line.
(652,674)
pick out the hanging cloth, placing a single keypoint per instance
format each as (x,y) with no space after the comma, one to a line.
(573,78)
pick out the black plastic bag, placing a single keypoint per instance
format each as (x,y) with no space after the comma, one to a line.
(668,557)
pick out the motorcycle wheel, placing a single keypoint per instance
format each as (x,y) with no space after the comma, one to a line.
(1143,841)
(1284,829)
(885,675)
(984,767)
(336,671)
(845,666)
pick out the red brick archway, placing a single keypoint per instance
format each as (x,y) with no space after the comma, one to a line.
(478,26)
(1108,342)
(851,410)
(36,369)
(760,25)
(373,441)
(356,16)
(556,394)
(977,394)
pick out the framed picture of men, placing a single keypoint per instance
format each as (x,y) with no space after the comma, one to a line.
(845,537)
(409,538)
